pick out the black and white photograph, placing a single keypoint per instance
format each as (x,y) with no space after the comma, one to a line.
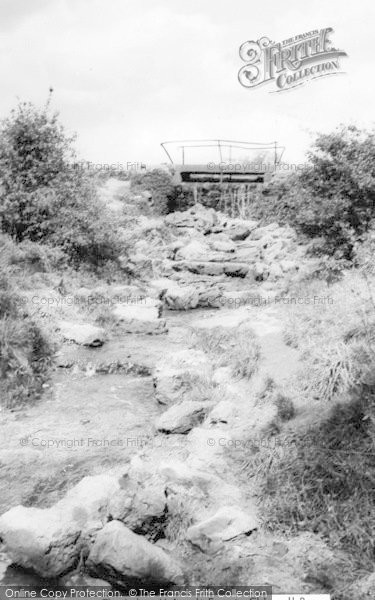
(187,300)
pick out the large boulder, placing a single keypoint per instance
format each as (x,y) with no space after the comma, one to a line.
(140,503)
(260,232)
(197,217)
(174,374)
(194,250)
(175,296)
(84,334)
(143,317)
(176,471)
(222,245)
(87,503)
(182,417)
(181,298)
(227,523)
(42,540)
(238,233)
(121,556)
(209,296)
(212,268)
(224,412)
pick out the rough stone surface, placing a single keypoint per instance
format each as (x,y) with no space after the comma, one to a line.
(175,296)
(197,217)
(181,298)
(233,269)
(141,501)
(144,317)
(174,373)
(227,523)
(40,539)
(177,471)
(84,334)
(119,555)
(182,417)
(194,250)
(224,412)
(240,232)
(87,502)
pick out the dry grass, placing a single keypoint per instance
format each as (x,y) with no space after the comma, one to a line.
(235,348)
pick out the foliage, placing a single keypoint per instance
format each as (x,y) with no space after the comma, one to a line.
(25,349)
(159,183)
(43,197)
(332,198)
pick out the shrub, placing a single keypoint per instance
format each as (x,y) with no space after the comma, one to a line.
(25,355)
(159,183)
(330,199)
(43,198)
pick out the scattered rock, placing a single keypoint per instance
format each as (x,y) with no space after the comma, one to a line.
(175,296)
(227,523)
(84,334)
(174,374)
(86,504)
(140,503)
(260,232)
(222,245)
(194,250)
(121,556)
(260,271)
(238,233)
(209,296)
(42,540)
(289,265)
(224,412)
(197,217)
(181,298)
(222,375)
(275,271)
(233,269)
(144,317)
(176,471)
(76,579)
(182,417)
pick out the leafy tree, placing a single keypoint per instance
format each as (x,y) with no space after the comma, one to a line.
(45,199)
(332,198)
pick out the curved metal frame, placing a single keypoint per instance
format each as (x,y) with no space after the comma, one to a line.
(220,144)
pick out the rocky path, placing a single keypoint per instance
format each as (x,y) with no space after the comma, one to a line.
(162,418)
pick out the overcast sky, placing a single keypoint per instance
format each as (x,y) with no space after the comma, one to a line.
(128,74)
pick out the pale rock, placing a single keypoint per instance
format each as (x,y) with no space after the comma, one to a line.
(222,375)
(224,412)
(143,317)
(83,334)
(42,540)
(182,417)
(119,555)
(174,373)
(227,523)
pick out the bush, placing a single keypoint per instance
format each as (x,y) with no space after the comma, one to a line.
(332,198)
(25,355)
(25,350)
(159,183)
(43,198)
